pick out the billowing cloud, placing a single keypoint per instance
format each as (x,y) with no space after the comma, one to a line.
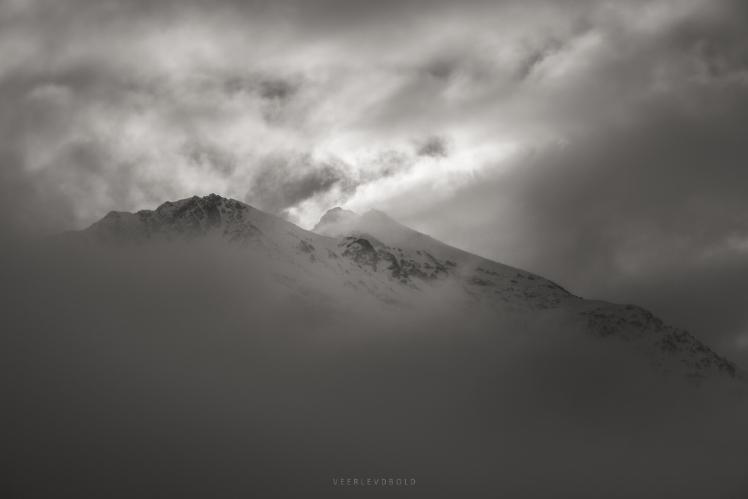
(598,142)
(284,182)
(150,85)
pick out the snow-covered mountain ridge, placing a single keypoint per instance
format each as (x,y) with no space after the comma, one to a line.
(350,257)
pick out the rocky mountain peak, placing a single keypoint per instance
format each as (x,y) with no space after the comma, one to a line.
(186,217)
(359,257)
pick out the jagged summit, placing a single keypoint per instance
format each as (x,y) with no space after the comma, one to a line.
(192,217)
(350,258)
(209,205)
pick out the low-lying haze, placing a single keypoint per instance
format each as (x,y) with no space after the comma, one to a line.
(186,371)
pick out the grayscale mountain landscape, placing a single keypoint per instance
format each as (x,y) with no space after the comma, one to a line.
(205,348)
(394,248)
(371,258)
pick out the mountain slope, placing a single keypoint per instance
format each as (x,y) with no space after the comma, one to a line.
(351,258)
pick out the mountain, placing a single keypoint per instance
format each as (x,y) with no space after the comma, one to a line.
(349,259)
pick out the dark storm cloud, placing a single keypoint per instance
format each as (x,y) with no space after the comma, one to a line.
(286,181)
(536,55)
(277,89)
(435,147)
(441,68)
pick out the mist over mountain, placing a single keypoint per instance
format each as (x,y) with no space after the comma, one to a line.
(487,248)
(350,259)
(206,348)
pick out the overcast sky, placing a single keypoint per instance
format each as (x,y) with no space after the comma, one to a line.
(601,144)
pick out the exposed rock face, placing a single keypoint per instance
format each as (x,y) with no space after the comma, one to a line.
(367,256)
(663,343)
(190,217)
